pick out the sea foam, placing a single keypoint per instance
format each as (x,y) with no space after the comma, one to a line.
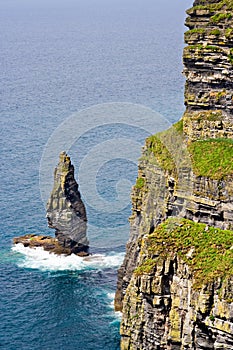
(38,258)
(117,314)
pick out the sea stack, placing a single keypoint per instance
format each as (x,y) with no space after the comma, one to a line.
(66,212)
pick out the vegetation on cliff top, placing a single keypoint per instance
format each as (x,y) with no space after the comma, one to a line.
(212,158)
(163,156)
(217,6)
(167,148)
(140,183)
(207,250)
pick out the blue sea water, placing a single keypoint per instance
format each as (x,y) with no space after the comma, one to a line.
(58,58)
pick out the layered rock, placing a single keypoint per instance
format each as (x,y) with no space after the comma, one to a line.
(185,172)
(167,307)
(208,68)
(66,212)
(171,188)
(163,309)
(48,243)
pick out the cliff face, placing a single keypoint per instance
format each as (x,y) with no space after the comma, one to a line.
(165,309)
(208,63)
(166,303)
(66,212)
(186,172)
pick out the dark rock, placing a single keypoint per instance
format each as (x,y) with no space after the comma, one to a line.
(49,244)
(66,212)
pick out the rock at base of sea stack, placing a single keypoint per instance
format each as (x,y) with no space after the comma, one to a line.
(66,212)
(49,244)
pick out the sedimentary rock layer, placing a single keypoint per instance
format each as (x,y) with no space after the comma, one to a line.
(171,188)
(164,309)
(186,172)
(174,315)
(208,68)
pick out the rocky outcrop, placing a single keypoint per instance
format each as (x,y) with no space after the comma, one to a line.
(49,244)
(66,212)
(186,173)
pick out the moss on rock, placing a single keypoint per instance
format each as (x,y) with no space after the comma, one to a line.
(212,158)
(207,250)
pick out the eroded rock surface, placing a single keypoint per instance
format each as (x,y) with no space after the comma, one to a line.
(208,68)
(162,308)
(66,212)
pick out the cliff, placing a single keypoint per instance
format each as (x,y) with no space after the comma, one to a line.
(175,287)
(208,62)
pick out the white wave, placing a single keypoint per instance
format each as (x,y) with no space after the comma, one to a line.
(38,258)
(117,314)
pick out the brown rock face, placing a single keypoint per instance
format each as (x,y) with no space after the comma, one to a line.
(66,212)
(49,244)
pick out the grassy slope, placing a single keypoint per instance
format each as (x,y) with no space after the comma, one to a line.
(210,249)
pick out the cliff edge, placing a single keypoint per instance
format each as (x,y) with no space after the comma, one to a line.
(175,286)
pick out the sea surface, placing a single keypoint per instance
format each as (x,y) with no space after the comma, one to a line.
(58,58)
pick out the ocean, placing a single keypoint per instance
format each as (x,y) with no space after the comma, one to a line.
(67,67)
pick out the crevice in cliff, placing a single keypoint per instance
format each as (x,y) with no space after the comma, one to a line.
(206,339)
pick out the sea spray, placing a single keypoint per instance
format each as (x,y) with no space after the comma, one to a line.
(38,258)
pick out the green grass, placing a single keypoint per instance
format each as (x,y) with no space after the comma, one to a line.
(194,31)
(178,126)
(163,156)
(207,250)
(229,32)
(202,31)
(228,4)
(213,48)
(140,183)
(201,47)
(212,158)
(146,267)
(220,17)
(215,32)
(166,149)
(194,47)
